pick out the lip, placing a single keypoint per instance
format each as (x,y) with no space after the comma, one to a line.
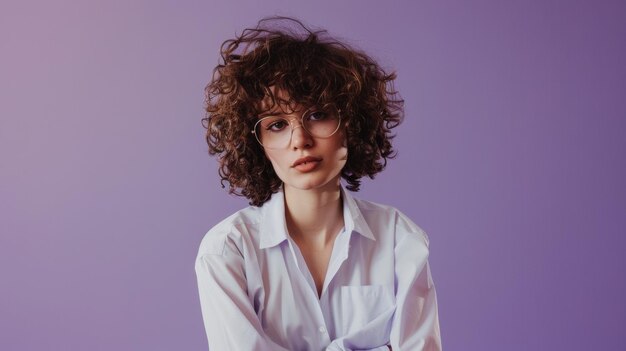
(306,159)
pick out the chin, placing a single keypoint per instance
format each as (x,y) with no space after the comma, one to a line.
(314,183)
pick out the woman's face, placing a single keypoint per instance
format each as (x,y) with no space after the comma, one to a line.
(308,162)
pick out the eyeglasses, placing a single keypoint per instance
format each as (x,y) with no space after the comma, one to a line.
(274,132)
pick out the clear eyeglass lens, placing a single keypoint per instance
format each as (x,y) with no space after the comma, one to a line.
(275,132)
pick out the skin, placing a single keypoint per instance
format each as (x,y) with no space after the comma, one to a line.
(310,196)
(313,195)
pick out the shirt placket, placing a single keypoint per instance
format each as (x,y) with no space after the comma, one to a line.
(338,256)
(319,321)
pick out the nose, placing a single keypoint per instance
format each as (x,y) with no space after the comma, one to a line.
(300,138)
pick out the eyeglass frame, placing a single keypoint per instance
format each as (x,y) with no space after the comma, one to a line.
(290,120)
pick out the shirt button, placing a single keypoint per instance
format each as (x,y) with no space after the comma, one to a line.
(322,330)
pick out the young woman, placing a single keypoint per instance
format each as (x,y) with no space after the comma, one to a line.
(290,112)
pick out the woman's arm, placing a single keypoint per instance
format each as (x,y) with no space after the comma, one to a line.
(415,324)
(334,347)
(229,317)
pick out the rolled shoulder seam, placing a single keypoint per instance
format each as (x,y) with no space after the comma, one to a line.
(214,242)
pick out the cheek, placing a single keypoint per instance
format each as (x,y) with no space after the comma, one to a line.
(342,147)
(275,161)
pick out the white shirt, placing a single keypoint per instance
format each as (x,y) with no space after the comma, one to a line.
(257,293)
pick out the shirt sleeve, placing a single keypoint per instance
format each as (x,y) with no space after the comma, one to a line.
(229,317)
(415,324)
(335,347)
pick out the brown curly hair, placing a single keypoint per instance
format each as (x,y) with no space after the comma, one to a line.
(312,69)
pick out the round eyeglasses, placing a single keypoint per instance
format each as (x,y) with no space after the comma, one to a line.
(274,132)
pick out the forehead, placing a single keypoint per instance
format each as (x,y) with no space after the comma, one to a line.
(278,102)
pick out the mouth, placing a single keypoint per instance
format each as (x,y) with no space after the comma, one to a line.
(305,160)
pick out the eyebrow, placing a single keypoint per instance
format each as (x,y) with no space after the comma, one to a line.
(271,113)
(280,113)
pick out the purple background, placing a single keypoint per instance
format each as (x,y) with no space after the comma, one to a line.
(511,157)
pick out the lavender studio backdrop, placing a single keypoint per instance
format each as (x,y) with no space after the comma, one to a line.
(511,157)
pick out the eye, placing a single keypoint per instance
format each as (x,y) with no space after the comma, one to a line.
(276,125)
(315,116)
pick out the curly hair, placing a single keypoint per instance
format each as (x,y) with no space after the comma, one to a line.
(282,55)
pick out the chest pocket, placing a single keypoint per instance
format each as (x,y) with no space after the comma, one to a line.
(363,304)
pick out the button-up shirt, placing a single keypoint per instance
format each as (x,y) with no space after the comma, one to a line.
(257,293)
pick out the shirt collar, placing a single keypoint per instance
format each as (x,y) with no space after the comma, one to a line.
(274,228)
(353,218)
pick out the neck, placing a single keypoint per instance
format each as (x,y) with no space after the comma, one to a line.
(314,216)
